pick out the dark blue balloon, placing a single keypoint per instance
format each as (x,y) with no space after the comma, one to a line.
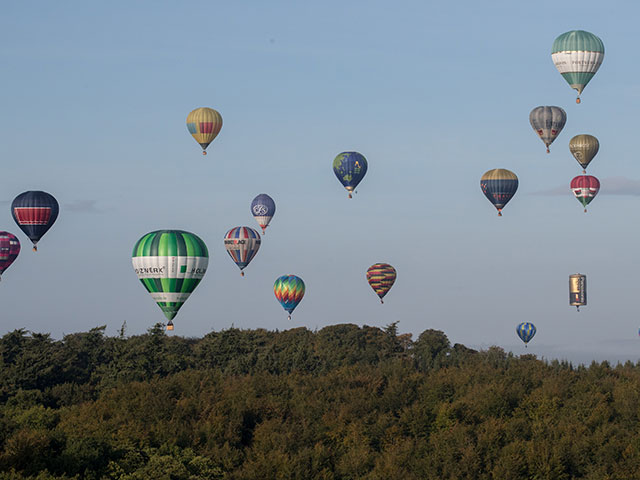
(350,168)
(263,208)
(34,212)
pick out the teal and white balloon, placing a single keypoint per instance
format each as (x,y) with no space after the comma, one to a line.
(577,55)
(548,122)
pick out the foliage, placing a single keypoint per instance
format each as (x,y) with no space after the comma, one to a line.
(344,402)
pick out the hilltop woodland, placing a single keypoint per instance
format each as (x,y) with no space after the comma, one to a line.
(343,402)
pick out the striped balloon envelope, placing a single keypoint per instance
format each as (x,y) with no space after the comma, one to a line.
(9,250)
(350,168)
(585,188)
(526,331)
(204,125)
(499,186)
(170,264)
(35,213)
(263,208)
(381,277)
(548,122)
(289,290)
(577,55)
(242,244)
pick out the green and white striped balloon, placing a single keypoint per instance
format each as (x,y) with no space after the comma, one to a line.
(170,265)
(577,55)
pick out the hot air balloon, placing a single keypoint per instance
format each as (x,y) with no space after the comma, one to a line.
(577,55)
(204,124)
(289,290)
(34,212)
(170,265)
(242,244)
(585,188)
(499,185)
(381,277)
(263,209)
(584,148)
(526,331)
(577,290)
(548,122)
(9,250)
(350,168)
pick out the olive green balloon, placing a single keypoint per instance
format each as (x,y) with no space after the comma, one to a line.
(584,148)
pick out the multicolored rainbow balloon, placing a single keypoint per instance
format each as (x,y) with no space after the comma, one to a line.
(289,290)
(381,277)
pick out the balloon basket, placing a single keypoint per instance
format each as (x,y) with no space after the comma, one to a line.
(548,151)
(242,274)
(35,248)
(204,153)
(578,100)
(350,196)
(499,213)
(289,317)
(381,301)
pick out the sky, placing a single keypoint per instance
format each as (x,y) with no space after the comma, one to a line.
(434,94)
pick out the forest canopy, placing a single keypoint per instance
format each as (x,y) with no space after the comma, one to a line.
(343,402)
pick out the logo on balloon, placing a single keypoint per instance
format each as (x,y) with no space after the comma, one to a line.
(260,209)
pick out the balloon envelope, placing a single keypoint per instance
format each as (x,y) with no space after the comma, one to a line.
(263,208)
(242,244)
(170,264)
(584,148)
(9,250)
(526,331)
(289,290)
(585,188)
(204,124)
(381,277)
(499,186)
(350,168)
(35,212)
(577,55)
(548,122)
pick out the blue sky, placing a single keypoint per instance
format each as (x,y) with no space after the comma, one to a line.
(433,94)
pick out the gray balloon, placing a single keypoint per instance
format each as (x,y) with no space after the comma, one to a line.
(548,122)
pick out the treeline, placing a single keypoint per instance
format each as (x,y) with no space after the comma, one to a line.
(340,403)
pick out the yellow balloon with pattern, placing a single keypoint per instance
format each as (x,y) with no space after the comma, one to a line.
(584,148)
(204,124)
